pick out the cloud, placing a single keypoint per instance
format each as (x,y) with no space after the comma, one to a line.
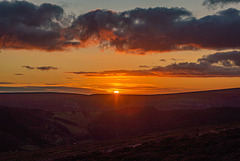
(187,69)
(231,58)
(221,2)
(52,84)
(173,59)
(134,31)
(157,30)
(162,60)
(144,66)
(45,68)
(102,89)
(28,67)
(7,83)
(63,89)
(24,25)
(42,68)
(19,74)
(214,65)
(116,73)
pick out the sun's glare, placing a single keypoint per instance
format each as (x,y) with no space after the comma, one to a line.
(116,92)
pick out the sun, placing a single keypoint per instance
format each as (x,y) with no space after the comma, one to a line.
(116,92)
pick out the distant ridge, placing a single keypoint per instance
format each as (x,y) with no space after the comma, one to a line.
(188,92)
(69,101)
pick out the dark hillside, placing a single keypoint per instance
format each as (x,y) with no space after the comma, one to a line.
(117,124)
(99,103)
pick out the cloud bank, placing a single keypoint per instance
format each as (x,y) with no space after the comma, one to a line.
(24,25)
(220,64)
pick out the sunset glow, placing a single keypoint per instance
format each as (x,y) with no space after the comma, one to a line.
(119,79)
(99,55)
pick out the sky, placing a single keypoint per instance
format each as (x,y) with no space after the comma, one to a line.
(130,46)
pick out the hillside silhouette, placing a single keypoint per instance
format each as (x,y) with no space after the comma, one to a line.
(33,122)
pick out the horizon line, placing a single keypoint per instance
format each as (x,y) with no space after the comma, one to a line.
(55,92)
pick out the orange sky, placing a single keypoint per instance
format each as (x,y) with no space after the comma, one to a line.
(93,59)
(135,51)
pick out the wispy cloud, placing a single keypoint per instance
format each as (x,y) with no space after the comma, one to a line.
(144,66)
(42,68)
(28,67)
(7,83)
(134,89)
(116,73)
(45,68)
(49,89)
(173,59)
(162,60)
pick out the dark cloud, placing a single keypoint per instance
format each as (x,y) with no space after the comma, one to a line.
(187,69)
(144,66)
(28,67)
(223,58)
(214,65)
(24,25)
(221,2)
(19,74)
(7,83)
(138,30)
(173,59)
(52,84)
(46,68)
(157,30)
(162,60)
(43,68)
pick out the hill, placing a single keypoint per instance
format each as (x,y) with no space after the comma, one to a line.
(33,122)
(99,102)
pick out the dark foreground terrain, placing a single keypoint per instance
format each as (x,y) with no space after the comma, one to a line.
(210,143)
(54,126)
(25,129)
